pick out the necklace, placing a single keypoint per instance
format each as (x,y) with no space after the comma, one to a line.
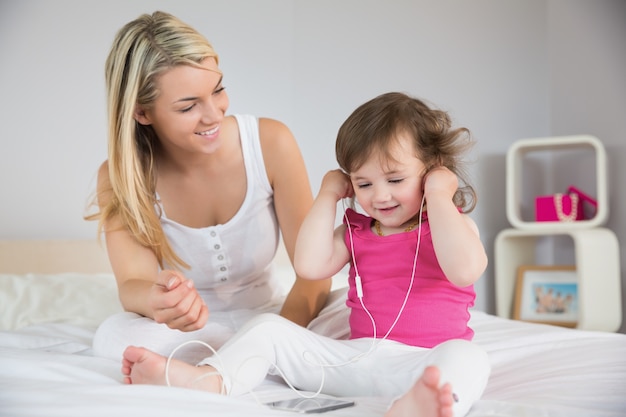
(379,231)
(558,205)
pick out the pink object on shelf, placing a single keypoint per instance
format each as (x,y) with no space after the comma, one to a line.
(566,207)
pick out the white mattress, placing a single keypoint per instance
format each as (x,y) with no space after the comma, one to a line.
(46,366)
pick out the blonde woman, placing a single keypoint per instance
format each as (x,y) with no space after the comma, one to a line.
(192,201)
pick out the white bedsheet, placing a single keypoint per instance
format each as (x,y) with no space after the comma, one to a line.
(46,369)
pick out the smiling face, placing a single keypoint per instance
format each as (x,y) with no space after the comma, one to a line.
(190,107)
(390,189)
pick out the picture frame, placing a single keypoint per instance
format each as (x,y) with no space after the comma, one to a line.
(547,294)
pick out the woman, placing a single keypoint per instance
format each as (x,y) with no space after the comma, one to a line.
(192,201)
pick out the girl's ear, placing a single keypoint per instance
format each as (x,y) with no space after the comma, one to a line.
(140,116)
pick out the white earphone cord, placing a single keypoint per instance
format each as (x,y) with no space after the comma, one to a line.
(359,289)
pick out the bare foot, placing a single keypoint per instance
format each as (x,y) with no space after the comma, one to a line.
(141,366)
(425,398)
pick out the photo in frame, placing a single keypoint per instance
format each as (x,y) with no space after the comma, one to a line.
(547,294)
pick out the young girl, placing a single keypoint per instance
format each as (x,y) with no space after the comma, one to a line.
(413,256)
(192,201)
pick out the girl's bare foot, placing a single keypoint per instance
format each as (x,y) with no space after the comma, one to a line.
(141,366)
(425,398)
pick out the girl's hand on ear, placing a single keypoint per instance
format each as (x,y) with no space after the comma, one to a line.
(176,302)
(337,183)
(440,181)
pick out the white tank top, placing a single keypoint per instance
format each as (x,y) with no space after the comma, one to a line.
(231,263)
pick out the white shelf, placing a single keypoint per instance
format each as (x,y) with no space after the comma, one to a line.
(515,168)
(597,268)
(596,249)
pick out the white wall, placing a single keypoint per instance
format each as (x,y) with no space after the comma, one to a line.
(588,90)
(308,64)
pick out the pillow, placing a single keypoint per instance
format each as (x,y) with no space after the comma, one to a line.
(80,299)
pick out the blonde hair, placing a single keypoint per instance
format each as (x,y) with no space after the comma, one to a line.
(376,124)
(142,50)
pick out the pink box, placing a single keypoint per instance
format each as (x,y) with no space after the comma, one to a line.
(565,207)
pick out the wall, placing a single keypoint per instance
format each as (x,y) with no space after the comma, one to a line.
(588,90)
(308,64)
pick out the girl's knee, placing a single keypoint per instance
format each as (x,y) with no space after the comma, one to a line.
(266,324)
(461,354)
(464,349)
(264,319)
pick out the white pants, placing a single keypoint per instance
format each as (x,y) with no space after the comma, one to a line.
(269,344)
(124,329)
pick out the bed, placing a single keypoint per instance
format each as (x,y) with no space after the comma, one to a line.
(53,295)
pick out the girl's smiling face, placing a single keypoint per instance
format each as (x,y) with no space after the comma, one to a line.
(390,190)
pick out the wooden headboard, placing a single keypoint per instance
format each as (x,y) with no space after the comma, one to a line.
(53,256)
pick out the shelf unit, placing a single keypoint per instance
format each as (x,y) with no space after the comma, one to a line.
(596,249)
(597,270)
(515,169)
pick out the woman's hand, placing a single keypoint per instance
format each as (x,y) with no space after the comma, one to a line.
(176,302)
